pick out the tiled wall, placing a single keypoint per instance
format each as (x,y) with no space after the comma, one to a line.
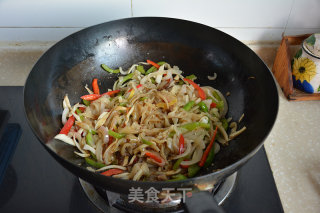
(247,20)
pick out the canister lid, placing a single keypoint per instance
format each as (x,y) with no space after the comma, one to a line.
(312,45)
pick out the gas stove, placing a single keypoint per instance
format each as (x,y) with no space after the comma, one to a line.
(107,201)
(35,182)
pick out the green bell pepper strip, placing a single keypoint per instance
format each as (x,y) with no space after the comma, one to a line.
(140,68)
(143,98)
(89,139)
(152,69)
(220,105)
(153,80)
(123,104)
(171,134)
(79,113)
(121,93)
(178,177)
(224,123)
(177,163)
(126,78)
(92,131)
(194,125)
(94,163)
(188,105)
(108,69)
(215,94)
(203,107)
(115,134)
(193,170)
(181,82)
(191,77)
(209,159)
(87,103)
(93,156)
(146,142)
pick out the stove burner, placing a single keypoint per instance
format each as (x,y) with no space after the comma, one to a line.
(107,201)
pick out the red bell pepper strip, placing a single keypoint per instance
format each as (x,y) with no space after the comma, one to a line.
(66,128)
(140,85)
(153,64)
(110,140)
(201,93)
(213,105)
(90,97)
(154,157)
(181,144)
(184,166)
(111,92)
(111,172)
(95,86)
(206,152)
(82,109)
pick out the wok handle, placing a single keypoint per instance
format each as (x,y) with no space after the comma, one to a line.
(202,202)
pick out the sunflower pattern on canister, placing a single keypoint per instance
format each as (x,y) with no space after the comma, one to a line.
(306,67)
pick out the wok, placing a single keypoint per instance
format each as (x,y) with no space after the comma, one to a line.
(197,49)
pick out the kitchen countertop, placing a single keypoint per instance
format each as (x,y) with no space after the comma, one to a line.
(292,147)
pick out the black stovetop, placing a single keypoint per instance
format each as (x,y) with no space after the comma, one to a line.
(35,182)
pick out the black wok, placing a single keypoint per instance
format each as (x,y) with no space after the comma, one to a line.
(75,61)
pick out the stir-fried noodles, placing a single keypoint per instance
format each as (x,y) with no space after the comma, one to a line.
(154,124)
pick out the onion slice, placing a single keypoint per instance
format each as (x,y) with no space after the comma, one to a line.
(87,88)
(216,148)
(105,135)
(84,155)
(235,134)
(111,167)
(66,102)
(212,78)
(64,138)
(195,158)
(186,152)
(124,175)
(102,119)
(77,117)
(173,172)
(132,160)
(78,145)
(89,148)
(64,115)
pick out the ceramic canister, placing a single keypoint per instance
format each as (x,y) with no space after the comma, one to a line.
(306,65)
